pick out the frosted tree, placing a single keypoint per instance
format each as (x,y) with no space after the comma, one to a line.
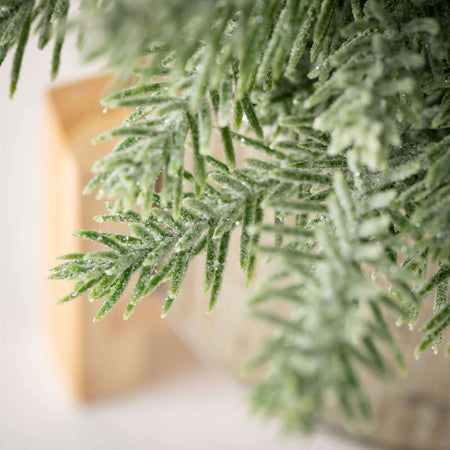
(347,104)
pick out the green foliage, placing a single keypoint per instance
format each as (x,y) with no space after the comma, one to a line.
(16,20)
(345,105)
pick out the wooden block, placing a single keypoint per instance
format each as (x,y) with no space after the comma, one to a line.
(106,357)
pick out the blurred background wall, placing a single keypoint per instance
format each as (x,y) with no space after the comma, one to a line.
(194,406)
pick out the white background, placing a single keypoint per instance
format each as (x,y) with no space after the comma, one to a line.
(201,409)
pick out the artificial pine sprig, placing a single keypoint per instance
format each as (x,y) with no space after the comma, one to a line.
(16,20)
(343,106)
